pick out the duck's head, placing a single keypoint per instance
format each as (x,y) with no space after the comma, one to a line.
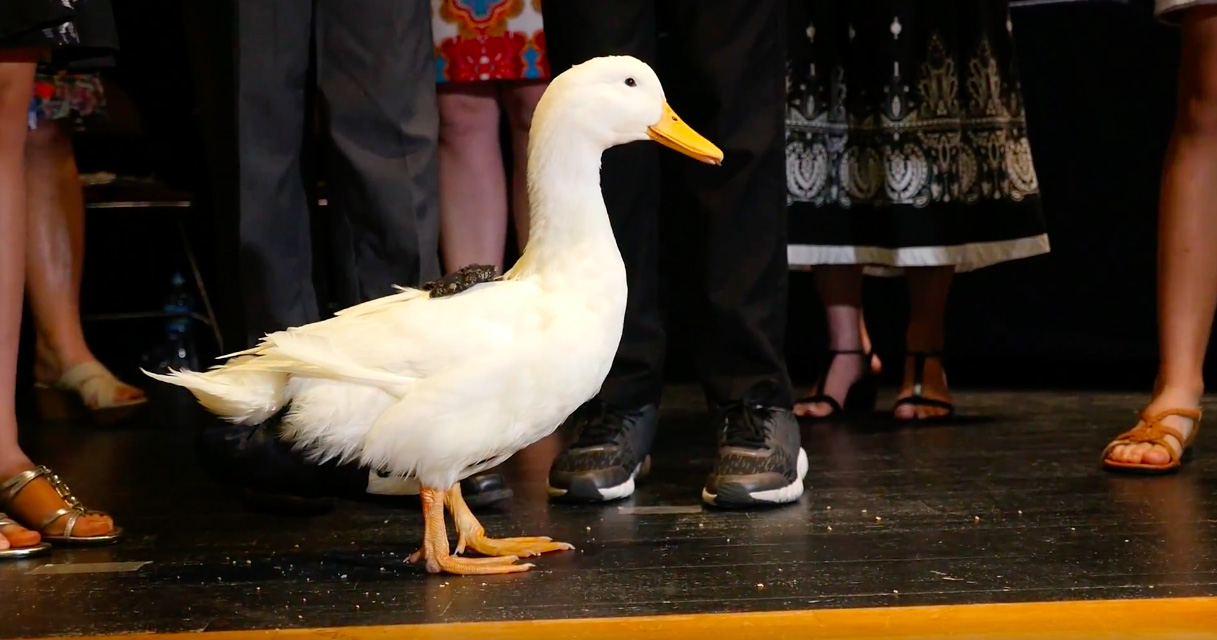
(618,99)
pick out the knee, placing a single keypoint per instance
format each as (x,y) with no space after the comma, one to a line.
(47,136)
(1198,108)
(520,105)
(465,117)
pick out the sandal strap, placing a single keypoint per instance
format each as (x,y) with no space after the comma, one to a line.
(94,383)
(919,360)
(1152,431)
(74,509)
(823,379)
(59,513)
(922,401)
(14,485)
(81,374)
(6,521)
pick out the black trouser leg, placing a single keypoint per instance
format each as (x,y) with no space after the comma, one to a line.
(734,94)
(376,72)
(575,31)
(273,41)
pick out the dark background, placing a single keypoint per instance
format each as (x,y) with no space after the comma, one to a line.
(1098,80)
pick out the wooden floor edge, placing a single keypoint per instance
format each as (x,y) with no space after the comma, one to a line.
(1163,618)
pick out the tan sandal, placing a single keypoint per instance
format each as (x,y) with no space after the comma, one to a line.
(1152,431)
(86,391)
(73,511)
(17,553)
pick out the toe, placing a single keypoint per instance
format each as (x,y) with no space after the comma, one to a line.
(4,543)
(1128,453)
(126,393)
(1156,454)
(821,410)
(17,536)
(812,409)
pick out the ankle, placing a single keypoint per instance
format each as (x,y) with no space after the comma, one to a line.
(917,340)
(11,465)
(1178,397)
(55,360)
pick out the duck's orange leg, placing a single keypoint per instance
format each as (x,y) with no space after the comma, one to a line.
(435,545)
(473,536)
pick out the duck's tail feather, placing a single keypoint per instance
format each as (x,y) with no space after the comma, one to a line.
(238,396)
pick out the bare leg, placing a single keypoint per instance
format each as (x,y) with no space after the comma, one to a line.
(435,544)
(38,499)
(1187,239)
(520,100)
(473,191)
(16,85)
(473,536)
(928,289)
(840,289)
(876,366)
(55,257)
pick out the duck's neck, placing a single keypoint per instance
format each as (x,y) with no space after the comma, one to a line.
(569,235)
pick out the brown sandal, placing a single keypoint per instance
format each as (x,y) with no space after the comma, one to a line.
(1152,431)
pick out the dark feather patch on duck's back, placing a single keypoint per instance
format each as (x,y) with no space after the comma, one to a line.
(461,280)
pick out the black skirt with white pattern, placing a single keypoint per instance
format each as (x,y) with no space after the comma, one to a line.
(906,141)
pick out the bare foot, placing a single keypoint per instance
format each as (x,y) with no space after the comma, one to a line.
(1155,454)
(39,499)
(933,387)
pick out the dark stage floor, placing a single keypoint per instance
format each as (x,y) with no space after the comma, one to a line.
(1007,506)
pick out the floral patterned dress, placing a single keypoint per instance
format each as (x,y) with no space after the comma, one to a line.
(486,40)
(80,36)
(906,142)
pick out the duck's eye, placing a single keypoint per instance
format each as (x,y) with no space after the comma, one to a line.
(629,82)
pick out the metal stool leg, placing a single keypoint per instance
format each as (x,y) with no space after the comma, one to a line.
(197,274)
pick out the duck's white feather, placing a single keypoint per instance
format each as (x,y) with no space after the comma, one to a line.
(442,387)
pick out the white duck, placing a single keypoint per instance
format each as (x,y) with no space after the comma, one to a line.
(441,388)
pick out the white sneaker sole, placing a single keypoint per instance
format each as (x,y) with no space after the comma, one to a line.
(783,495)
(607,494)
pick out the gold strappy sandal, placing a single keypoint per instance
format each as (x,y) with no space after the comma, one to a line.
(16,553)
(73,511)
(1152,431)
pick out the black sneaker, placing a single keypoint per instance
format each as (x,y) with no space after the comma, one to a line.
(760,460)
(612,450)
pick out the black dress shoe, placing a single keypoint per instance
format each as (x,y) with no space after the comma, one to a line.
(273,476)
(485,489)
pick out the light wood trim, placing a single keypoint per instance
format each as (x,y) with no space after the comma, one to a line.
(1161,619)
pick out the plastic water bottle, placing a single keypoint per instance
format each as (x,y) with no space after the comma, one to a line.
(178,350)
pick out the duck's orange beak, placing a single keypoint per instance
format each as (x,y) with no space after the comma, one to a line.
(673,133)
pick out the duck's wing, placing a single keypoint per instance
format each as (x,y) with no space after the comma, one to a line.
(392,342)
